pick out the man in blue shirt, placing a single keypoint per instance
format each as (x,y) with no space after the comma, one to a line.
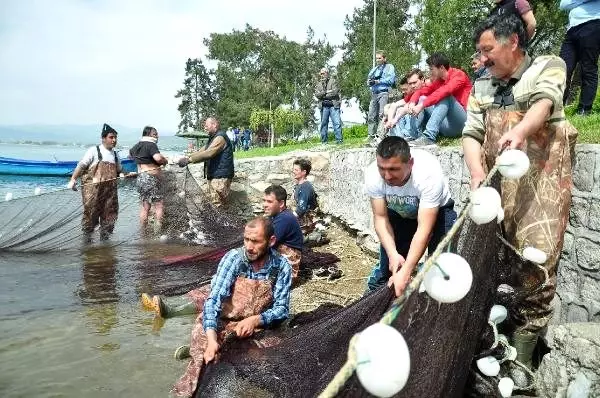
(289,240)
(380,80)
(582,45)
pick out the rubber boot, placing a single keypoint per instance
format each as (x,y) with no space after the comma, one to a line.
(167,311)
(525,343)
(182,352)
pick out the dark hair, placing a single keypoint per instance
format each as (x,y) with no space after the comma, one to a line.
(392,146)
(265,222)
(437,60)
(147,131)
(503,27)
(304,164)
(278,191)
(415,71)
(403,80)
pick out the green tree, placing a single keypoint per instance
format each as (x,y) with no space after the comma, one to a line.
(396,36)
(448,26)
(258,69)
(284,121)
(197,96)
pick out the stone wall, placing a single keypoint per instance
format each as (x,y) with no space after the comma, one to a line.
(338,177)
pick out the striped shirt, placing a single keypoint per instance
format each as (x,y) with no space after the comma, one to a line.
(234,264)
(543,77)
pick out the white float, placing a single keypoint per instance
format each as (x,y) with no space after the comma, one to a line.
(456,282)
(383,360)
(486,205)
(181,194)
(506,386)
(498,313)
(164,238)
(513,163)
(500,216)
(37,191)
(8,196)
(489,366)
(534,255)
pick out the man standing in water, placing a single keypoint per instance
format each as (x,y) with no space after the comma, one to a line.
(149,182)
(217,156)
(99,169)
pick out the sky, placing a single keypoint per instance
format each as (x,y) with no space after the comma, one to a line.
(122,61)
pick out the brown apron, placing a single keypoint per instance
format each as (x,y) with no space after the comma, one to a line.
(100,198)
(294,257)
(536,209)
(248,297)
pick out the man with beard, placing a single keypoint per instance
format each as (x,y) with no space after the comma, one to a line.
(520,106)
(250,290)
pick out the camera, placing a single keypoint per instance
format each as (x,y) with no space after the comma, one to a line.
(371,82)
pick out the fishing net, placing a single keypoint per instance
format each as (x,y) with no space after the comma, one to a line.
(53,221)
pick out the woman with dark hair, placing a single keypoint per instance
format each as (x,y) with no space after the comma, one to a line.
(149,181)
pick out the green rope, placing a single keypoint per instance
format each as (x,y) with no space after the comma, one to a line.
(342,376)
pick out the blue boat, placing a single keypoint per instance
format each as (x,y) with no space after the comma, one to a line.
(47,168)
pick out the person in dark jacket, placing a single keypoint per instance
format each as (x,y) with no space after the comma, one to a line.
(327,92)
(217,156)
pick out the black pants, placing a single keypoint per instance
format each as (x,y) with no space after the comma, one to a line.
(582,45)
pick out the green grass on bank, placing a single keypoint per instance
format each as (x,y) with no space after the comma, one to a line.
(354,137)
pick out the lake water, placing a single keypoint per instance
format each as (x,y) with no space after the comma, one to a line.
(71,324)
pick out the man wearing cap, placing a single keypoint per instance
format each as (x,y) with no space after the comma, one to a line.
(99,169)
(327,92)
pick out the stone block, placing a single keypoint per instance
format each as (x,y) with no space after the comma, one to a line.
(278,178)
(587,254)
(590,289)
(580,209)
(594,214)
(568,244)
(583,173)
(568,278)
(577,313)
(260,186)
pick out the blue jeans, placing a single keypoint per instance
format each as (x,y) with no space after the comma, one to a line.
(406,128)
(404,230)
(334,114)
(447,118)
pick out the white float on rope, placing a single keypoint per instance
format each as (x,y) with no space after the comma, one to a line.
(498,313)
(450,280)
(164,238)
(383,360)
(181,194)
(485,205)
(489,366)
(37,191)
(513,163)
(534,255)
(8,196)
(506,386)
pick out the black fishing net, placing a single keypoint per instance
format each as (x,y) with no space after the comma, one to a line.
(52,221)
(302,358)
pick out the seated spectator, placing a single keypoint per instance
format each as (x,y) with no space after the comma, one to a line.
(441,105)
(399,118)
(479,69)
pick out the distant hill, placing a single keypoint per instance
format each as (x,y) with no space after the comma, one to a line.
(66,134)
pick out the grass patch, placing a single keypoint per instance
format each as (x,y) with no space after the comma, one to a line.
(354,142)
(588,127)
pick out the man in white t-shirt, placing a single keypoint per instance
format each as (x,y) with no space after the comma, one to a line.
(412,209)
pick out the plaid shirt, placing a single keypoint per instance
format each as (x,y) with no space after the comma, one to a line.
(234,264)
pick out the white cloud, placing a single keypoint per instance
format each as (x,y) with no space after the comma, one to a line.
(81,62)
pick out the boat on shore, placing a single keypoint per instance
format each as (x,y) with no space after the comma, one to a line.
(48,168)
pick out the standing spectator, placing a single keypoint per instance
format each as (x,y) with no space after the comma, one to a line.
(380,79)
(582,45)
(327,92)
(231,135)
(236,139)
(247,138)
(442,103)
(520,8)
